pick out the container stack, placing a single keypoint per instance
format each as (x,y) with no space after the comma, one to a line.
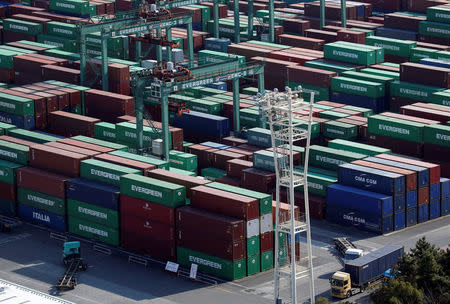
(436,27)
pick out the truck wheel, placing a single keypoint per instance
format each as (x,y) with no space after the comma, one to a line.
(349,294)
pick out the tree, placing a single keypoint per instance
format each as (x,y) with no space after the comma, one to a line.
(397,292)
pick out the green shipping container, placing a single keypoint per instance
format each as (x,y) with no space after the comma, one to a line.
(344,53)
(101,142)
(40,200)
(437,135)
(126,133)
(104,172)
(32,136)
(105,131)
(419,53)
(265,200)
(23,27)
(93,231)
(181,160)
(267,260)
(153,190)
(213,265)
(253,245)
(358,87)
(32,43)
(328,66)
(93,213)
(317,183)
(62,54)
(332,115)
(249,118)
(205,106)
(384,73)
(14,152)
(369,77)
(392,46)
(7,208)
(63,43)
(6,58)
(61,29)
(16,105)
(357,147)
(253,264)
(442,55)
(180,171)
(330,159)
(336,129)
(413,90)
(396,128)
(208,57)
(8,171)
(438,14)
(76,7)
(161,164)
(435,29)
(4,128)
(212,173)
(441,98)
(379,51)
(19,51)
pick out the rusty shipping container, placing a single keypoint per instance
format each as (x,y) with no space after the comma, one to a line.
(145,209)
(42,181)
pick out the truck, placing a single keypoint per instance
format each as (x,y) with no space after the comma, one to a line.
(364,271)
(347,249)
(73,262)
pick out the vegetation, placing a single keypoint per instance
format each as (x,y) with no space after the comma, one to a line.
(422,276)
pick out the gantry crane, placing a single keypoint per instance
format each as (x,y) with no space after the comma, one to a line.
(158,83)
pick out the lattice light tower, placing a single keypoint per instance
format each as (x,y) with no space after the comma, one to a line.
(279,110)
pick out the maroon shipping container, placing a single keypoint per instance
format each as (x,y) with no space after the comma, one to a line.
(233,141)
(247,154)
(351,36)
(403,21)
(140,243)
(107,106)
(18,141)
(266,241)
(432,106)
(42,181)
(398,146)
(33,19)
(395,103)
(311,43)
(204,155)
(56,160)
(8,192)
(297,26)
(225,203)
(22,9)
(50,99)
(317,204)
(220,226)
(284,211)
(82,144)
(423,195)
(188,182)
(258,180)
(70,124)
(38,49)
(436,76)
(435,153)
(71,148)
(410,176)
(312,76)
(385,68)
(68,75)
(433,46)
(204,242)
(232,181)
(410,118)
(426,113)
(435,170)
(235,166)
(146,227)
(148,210)
(326,36)
(146,168)
(221,157)
(291,57)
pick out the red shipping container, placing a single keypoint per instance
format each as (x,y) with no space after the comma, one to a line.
(398,146)
(437,115)
(410,118)
(107,106)
(139,243)
(150,228)
(284,211)
(235,166)
(312,76)
(233,141)
(258,180)
(82,144)
(227,180)
(311,43)
(326,36)
(56,160)
(148,210)
(71,148)
(423,196)
(220,226)
(203,242)
(7,192)
(247,154)
(74,95)
(221,157)
(435,170)
(42,181)
(266,241)
(146,168)
(204,155)
(225,203)
(18,141)
(70,124)
(351,36)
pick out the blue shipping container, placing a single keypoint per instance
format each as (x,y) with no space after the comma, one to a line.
(435,192)
(94,193)
(42,217)
(435,62)
(411,199)
(371,179)
(217,44)
(399,202)
(259,137)
(24,122)
(374,264)
(423,174)
(378,105)
(218,85)
(396,33)
(435,209)
(215,145)
(364,221)
(445,187)
(399,220)
(411,216)
(423,212)
(445,206)
(205,123)
(362,200)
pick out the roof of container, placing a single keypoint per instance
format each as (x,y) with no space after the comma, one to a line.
(374,255)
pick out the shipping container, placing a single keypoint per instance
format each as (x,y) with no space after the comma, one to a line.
(100,143)
(184,161)
(423,213)
(356,147)
(105,131)
(42,181)
(42,217)
(445,187)
(161,164)
(435,209)
(411,216)
(392,46)
(358,87)
(146,209)
(93,231)
(374,203)
(104,172)
(329,158)
(397,128)
(8,171)
(14,152)
(399,220)
(93,192)
(41,200)
(445,206)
